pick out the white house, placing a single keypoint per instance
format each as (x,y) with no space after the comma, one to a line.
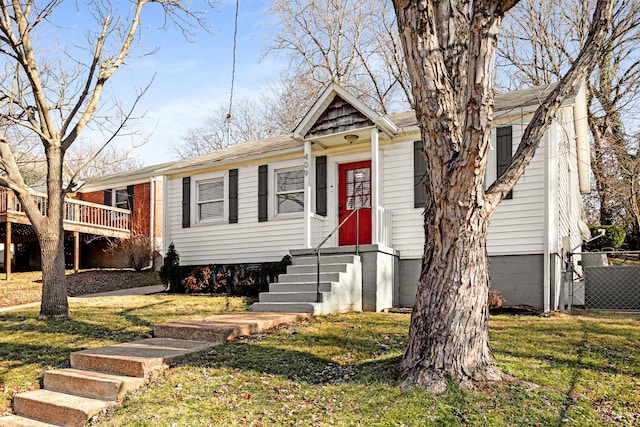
(260,200)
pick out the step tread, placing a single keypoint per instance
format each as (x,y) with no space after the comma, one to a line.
(58,408)
(99,385)
(225,327)
(136,358)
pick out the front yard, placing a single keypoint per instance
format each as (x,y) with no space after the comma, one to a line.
(26,287)
(339,370)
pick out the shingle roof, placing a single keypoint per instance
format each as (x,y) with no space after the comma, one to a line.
(236,152)
(503,102)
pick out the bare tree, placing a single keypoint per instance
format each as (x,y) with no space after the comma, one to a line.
(542,44)
(275,111)
(351,42)
(449,48)
(54,95)
(103,160)
(247,121)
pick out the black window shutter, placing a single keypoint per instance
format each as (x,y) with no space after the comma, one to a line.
(262,193)
(321,185)
(233,196)
(130,192)
(419,176)
(186,202)
(108,200)
(504,149)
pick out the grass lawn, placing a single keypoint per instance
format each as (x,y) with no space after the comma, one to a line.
(26,287)
(340,370)
(29,346)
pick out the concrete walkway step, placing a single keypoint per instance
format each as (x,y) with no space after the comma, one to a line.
(100,377)
(224,327)
(136,358)
(58,408)
(96,385)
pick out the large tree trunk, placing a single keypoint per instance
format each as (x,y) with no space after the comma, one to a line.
(54,282)
(51,236)
(449,48)
(448,339)
(49,227)
(446,49)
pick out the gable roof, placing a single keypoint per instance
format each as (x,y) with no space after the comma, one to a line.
(312,123)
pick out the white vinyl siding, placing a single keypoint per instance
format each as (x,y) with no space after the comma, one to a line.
(244,242)
(517,227)
(398,196)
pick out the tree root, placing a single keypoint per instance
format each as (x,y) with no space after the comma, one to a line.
(436,382)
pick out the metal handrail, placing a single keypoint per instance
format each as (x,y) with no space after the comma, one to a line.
(319,246)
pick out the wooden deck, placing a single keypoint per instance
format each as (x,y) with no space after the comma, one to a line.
(79,216)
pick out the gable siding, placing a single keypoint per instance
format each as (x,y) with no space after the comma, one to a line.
(244,242)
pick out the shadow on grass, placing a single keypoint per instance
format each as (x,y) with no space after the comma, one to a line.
(295,365)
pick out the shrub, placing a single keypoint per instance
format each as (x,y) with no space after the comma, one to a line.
(170,271)
(232,279)
(247,288)
(198,281)
(495,300)
(612,239)
(137,248)
(222,284)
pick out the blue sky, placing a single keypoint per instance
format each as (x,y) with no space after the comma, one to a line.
(192,78)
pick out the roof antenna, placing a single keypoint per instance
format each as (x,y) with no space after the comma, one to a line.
(233,73)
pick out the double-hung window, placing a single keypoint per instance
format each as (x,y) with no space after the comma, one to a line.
(210,199)
(290,191)
(121,199)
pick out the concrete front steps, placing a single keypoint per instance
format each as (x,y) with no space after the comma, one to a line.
(298,291)
(100,378)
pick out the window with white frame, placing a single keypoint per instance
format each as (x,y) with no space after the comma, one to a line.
(290,191)
(210,199)
(121,199)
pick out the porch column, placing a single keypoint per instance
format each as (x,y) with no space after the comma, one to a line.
(375,186)
(76,251)
(307,194)
(7,251)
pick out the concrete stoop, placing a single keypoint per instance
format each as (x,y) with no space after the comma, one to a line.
(100,378)
(337,288)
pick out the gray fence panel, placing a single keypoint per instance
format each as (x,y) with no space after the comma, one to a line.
(612,288)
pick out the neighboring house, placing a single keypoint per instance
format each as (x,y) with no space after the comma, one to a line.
(259,200)
(83,221)
(138,191)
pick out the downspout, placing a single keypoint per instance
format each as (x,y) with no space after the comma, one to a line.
(307,195)
(547,232)
(152,218)
(166,235)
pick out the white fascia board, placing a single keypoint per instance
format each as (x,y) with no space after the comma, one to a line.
(222,164)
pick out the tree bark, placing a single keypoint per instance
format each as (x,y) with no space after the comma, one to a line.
(448,338)
(449,48)
(54,282)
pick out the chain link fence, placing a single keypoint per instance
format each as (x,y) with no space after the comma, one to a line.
(611,280)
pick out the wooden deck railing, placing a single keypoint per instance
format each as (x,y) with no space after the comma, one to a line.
(75,211)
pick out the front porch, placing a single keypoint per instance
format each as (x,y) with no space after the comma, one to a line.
(79,217)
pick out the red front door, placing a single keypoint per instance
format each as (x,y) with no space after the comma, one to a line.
(354,191)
